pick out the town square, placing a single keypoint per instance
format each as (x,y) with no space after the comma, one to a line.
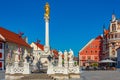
(60,40)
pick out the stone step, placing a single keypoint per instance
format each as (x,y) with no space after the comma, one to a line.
(34,76)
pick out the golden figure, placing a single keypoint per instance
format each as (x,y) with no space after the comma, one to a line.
(47,11)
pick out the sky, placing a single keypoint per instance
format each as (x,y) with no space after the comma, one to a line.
(73,23)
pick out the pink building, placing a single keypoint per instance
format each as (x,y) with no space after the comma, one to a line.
(91,52)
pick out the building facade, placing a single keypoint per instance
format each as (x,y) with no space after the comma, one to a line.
(111,39)
(9,43)
(91,52)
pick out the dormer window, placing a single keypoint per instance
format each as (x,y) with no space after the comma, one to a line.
(113,27)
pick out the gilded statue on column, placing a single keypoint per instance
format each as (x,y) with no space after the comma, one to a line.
(47,11)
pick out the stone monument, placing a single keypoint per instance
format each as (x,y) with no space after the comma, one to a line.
(46,55)
(71,56)
(60,59)
(65,59)
(15,68)
(69,70)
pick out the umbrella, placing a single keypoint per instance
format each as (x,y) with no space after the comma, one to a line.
(107,61)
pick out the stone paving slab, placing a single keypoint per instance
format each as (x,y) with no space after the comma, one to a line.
(28,77)
(100,75)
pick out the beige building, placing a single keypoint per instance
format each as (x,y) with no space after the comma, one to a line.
(111,39)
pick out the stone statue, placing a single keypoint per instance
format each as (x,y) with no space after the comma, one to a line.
(47,11)
(25,55)
(71,55)
(16,55)
(60,59)
(16,58)
(65,56)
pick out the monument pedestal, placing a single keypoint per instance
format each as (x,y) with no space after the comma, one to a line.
(66,64)
(16,64)
(71,64)
(45,60)
(26,68)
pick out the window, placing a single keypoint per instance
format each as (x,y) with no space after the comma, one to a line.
(113,52)
(0,45)
(111,36)
(0,65)
(89,57)
(91,51)
(0,55)
(83,57)
(118,25)
(113,27)
(96,58)
(95,51)
(118,35)
(115,35)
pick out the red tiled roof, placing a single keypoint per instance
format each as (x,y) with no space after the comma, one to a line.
(56,55)
(1,40)
(13,37)
(99,37)
(39,45)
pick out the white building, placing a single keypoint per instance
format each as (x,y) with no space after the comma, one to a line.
(9,42)
(37,47)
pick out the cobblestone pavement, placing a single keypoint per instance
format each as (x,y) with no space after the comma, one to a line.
(100,75)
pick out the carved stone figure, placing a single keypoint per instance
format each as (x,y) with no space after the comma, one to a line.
(60,59)
(16,55)
(65,56)
(16,58)
(71,55)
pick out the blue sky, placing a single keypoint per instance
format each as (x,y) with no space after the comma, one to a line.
(72,22)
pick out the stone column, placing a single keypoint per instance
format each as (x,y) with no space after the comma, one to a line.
(46,32)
